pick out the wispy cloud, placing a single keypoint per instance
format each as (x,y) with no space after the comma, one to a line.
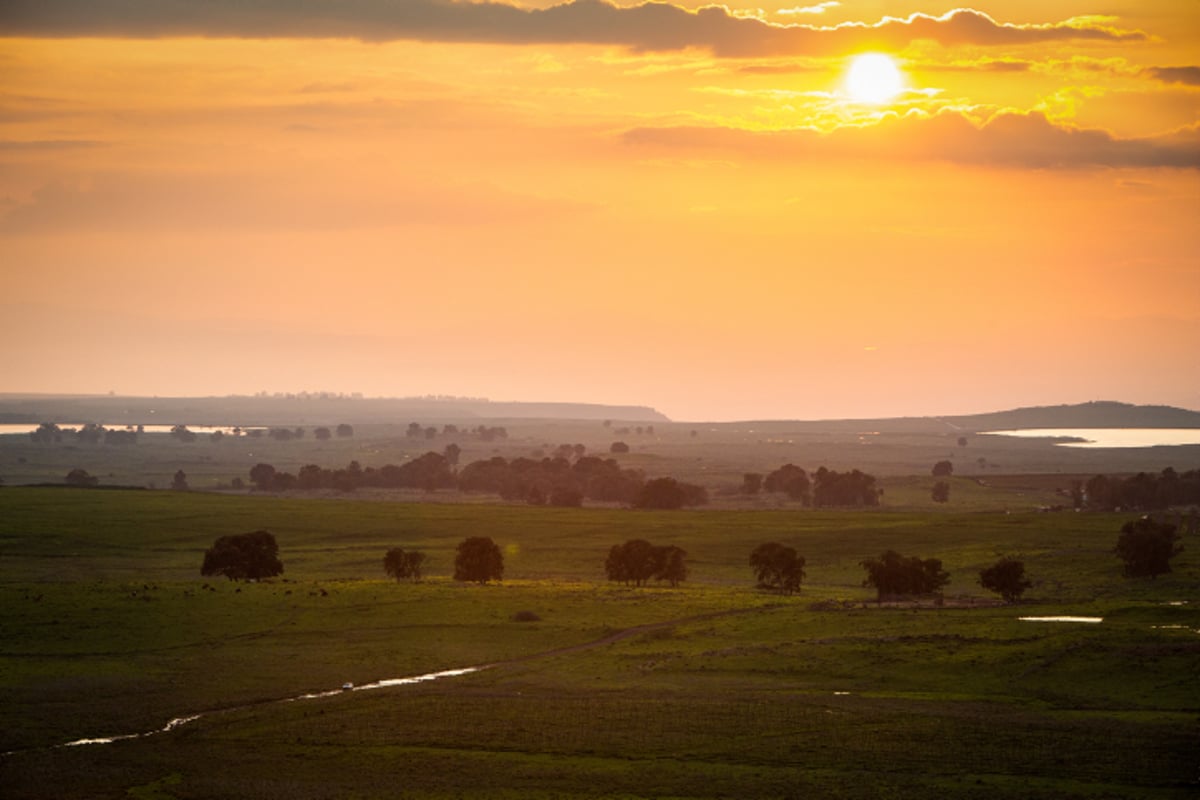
(1005,139)
(651,26)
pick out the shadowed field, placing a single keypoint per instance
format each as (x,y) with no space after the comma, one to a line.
(108,629)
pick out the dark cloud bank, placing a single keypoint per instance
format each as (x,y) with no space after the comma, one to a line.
(652,26)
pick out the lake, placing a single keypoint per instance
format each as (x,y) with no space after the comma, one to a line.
(1109,437)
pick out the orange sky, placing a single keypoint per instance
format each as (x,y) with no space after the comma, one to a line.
(670,205)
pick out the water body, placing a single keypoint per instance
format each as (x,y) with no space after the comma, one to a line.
(179,722)
(1086,620)
(1108,437)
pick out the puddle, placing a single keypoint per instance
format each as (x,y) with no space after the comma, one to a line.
(178,722)
(1089,620)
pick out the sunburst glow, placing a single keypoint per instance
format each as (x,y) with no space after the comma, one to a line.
(874,78)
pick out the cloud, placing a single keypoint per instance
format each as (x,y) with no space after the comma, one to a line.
(1007,139)
(819,8)
(982,65)
(1189,76)
(651,26)
(275,202)
(47,145)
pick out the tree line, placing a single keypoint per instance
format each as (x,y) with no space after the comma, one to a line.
(1145,546)
(548,481)
(1141,492)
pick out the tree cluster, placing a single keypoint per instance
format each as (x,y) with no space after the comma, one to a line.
(91,433)
(243,556)
(668,494)
(1141,492)
(554,480)
(824,488)
(894,575)
(1006,578)
(401,564)
(1147,547)
(777,567)
(638,561)
(81,477)
(429,472)
(478,559)
(852,488)
(790,480)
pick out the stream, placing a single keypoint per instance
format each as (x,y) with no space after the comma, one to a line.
(179,722)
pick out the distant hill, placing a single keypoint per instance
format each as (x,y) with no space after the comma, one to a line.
(1100,414)
(296,410)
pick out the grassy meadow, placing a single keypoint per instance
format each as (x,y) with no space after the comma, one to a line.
(714,689)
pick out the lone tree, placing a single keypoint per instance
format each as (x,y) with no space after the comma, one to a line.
(478,559)
(637,561)
(940,492)
(81,477)
(1006,578)
(179,481)
(243,556)
(943,469)
(894,575)
(1147,547)
(777,567)
(400,564)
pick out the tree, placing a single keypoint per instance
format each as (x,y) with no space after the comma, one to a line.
(894,575)
(182,433)
(478,559)
(566,497)
(670,565)
(400,564)
(451,452)
(941,492)
(243,556)
(262,476)
(345,430)
(1147,547)
(943,469)
(777,567)
(752,482)
(81,477)
(322,434)
(618,447)
(1006,578)
(661,493)
(179,482)
(962,441)
(789,479)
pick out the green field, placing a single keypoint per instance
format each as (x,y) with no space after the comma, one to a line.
(711,690)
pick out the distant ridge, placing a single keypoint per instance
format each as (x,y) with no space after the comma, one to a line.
(1098,414)
(316,409)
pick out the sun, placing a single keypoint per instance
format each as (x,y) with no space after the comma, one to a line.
(873,78)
